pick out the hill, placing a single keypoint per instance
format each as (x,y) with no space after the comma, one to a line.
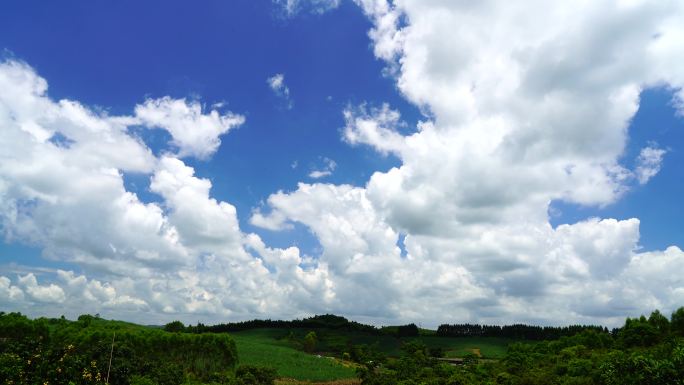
(333,350)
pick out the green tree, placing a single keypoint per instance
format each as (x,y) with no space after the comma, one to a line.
(174,327)
(310,341)
(660,322)
(677,321)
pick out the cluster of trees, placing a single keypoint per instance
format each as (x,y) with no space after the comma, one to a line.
(327,321)
(330,321)
(410,330)
(646,350)
(58,351)
(517,331)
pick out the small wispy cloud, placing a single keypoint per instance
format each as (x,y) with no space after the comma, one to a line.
(648,163)
(292,7)
(329,166)
(277,85)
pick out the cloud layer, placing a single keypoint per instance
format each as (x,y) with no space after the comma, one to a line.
(522,108)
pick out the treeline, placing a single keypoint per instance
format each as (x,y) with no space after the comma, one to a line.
(327,321)
(79,352)
(645,351)
(334,322)
(516,331)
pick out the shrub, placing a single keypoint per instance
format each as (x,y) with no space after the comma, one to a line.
(255,375)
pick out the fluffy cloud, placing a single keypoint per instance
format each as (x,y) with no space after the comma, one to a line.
(194,133)
(49,293)
(360,251)
(62,169)
(533,110)
(521,109)
(376,128)
(9,293)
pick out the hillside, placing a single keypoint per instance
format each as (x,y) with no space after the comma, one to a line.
(330,349)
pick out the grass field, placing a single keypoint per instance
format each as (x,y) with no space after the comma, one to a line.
(262,347)
(333,341)
(272,347)
(487,347)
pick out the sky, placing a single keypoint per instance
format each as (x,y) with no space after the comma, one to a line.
(389,161)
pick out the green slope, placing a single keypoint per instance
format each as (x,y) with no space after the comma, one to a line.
(262,347)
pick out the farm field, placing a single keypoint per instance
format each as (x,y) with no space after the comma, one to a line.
(262,347)
(278,348)
(333,342)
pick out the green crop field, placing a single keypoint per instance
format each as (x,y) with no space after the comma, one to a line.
(488,347)
(277,348)
(262,347)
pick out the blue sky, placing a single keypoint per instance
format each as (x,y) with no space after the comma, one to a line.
(341,62)
(104,54)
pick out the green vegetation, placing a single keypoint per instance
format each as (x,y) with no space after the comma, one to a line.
(646,350)
(335,342)
(65,352)
(265,347)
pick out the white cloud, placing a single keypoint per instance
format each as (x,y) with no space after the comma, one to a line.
(71,199)
(329,166)
(185,256)
(194,133)
(648,163)
(277,85)
(272,221)
(532,110)
(8,292)
(377,128)
(293,7)
(48,293)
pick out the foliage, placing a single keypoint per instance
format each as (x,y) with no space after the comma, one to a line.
(310,341)
(644,351)
(174,327)
(255,375)
(326,321)
(272,348)
(517,331)
(78,352)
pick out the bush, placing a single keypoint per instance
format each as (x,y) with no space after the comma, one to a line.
(255,375)
(174,327)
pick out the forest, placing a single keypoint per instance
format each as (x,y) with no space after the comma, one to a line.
(92,350)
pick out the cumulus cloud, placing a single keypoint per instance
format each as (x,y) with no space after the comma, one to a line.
(47,293)
(376,128)
(193,132)
(9,293)
(517,116)
(532,111)
(62,168)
